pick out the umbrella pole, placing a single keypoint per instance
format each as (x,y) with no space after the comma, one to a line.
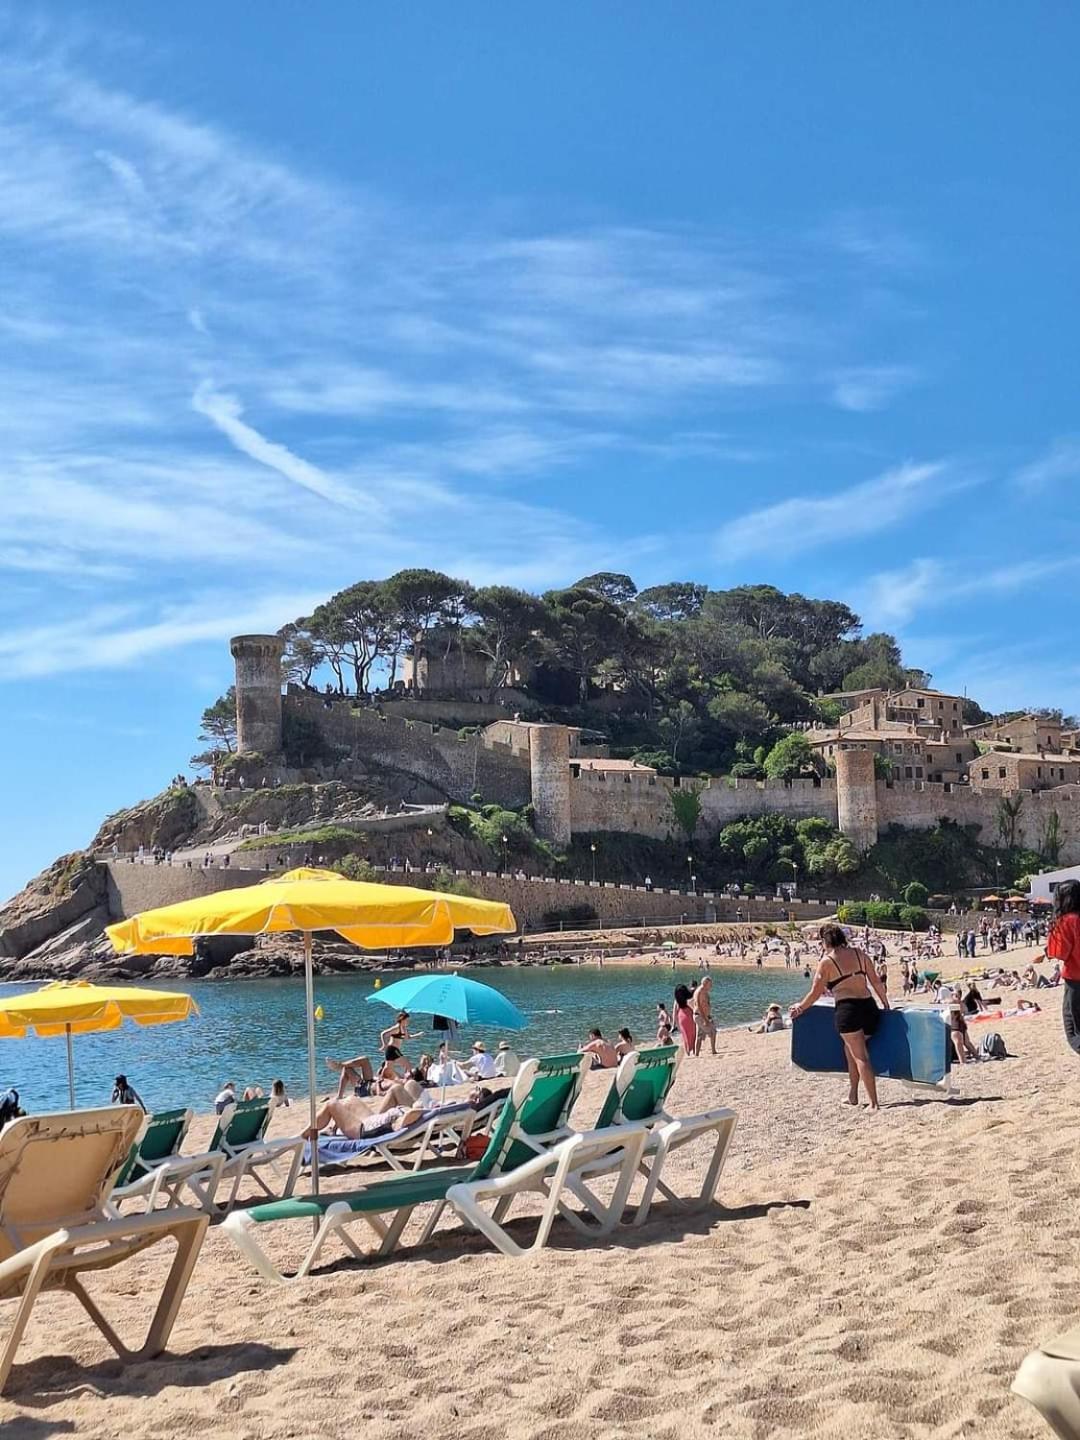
(309,996)
(71,1069)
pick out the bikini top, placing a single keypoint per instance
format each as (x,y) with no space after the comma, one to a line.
(842,975)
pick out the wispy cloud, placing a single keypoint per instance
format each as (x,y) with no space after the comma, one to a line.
(894,597)
(871,387)
(1060,462)
(226,412)
(804,523)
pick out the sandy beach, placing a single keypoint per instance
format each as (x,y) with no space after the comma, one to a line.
(864,1276)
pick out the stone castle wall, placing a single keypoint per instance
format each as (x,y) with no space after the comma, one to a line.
(453,768)
(132,888)
(640,804)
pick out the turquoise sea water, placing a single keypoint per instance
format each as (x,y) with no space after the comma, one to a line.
(253,1031)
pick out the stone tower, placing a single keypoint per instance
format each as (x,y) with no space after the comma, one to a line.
(549,759)
(258,692)
(856,797)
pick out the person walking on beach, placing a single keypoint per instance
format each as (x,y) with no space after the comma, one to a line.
(846,973)
(684,1018)
(1063,944)
(701,1004)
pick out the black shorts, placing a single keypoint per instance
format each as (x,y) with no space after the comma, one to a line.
(852,1015)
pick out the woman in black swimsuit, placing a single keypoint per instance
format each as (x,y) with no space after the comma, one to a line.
(848,976)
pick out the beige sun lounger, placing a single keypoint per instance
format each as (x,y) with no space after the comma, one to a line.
(56,1174)
(1050,1380)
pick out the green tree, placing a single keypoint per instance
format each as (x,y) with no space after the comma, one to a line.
(510,627)
(916,893)
(791,757)
(686,807)
(619,589)
(1050,839)
(218,724)
(678,600)
(1008,819)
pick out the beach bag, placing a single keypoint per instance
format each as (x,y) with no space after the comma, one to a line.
(993,1047)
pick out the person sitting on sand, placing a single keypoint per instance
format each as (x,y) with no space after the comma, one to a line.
(771,1021)
(507,1063)
(480,1065)
(602,1051)
(397,1033)
(624,1044)
(664,1035)
(225,1097)
(847,975)
(973,1000)
(393,1070)
(279,1098)
(357,1075)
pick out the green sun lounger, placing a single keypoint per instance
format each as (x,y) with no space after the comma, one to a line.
(638,1093)
(531,1149)
(240,1142)
(155,1168)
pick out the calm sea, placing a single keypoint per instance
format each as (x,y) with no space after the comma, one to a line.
(252,1031)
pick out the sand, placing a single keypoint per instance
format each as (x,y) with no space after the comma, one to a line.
(866,1276)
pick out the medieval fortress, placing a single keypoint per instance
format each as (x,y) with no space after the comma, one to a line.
(933,767)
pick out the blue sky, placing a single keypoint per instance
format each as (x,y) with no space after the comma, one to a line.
(293,296)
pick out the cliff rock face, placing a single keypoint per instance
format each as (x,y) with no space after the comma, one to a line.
(71,890)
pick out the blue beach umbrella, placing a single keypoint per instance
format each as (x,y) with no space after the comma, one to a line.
(464,1001)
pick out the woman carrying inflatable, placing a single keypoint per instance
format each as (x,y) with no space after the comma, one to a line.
(847,974)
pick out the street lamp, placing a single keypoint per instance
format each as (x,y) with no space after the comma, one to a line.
(505,843)
(693,884)
(794,872)
(593,849)
(690,868)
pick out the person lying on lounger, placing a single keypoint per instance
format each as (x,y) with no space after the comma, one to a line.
(357,1119)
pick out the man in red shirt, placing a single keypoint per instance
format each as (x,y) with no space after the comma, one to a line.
(1063,944)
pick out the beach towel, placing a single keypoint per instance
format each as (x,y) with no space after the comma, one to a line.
(340,1150)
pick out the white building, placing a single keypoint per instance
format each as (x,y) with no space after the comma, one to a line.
(1044,885)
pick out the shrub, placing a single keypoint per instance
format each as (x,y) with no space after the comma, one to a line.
(914,917)
(354,867)
(916,894)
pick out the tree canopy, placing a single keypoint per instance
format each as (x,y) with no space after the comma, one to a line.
(706,677)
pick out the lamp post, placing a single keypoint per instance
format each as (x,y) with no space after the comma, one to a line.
(693,884)
(690,868)
(505,843)
(794,873)
(592,848)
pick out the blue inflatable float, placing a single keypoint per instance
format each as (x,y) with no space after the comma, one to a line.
(910,1045)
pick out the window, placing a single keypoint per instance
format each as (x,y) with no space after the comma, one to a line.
(959,758)
(907,772)
(921,703)
(955,706)
(918,772)
(899,749)
(1001,772)
(986,774)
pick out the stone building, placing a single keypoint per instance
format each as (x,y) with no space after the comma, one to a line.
(1011,770)
(921,709)
(1025,733)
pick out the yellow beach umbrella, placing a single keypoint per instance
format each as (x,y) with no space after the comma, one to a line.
(75,1007)
(371,916)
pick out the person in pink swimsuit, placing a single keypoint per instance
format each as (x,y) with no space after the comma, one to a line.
(685,1018)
